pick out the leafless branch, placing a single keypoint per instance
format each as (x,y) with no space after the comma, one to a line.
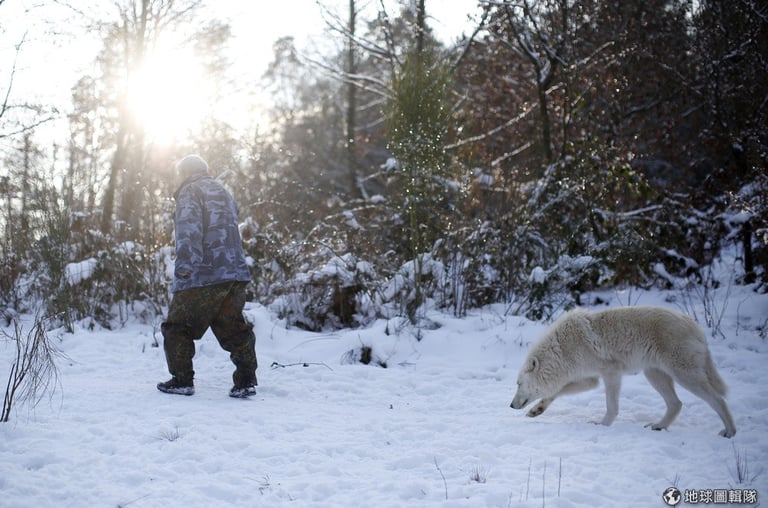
(362,81)
(468,43)
(27,128)
(7,97)
(493,131)
(337,25)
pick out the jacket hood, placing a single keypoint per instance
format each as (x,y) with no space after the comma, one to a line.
(190,179)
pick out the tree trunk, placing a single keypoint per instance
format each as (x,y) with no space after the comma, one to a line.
(421,26)
(354,189)
(25,184)
(109,194)
(129,149)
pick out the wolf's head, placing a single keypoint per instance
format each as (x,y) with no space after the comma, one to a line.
(529,386)
(550,364)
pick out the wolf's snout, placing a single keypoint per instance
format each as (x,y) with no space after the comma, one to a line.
(517,404)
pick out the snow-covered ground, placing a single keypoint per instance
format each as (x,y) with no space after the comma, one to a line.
(432,429)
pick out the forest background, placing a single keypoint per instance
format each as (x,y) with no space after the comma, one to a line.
(556,147)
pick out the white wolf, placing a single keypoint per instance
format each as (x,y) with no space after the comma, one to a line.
(582,346)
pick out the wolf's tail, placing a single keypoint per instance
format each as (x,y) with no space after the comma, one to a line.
(714,377)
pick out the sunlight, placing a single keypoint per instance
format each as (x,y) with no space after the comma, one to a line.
(170,94)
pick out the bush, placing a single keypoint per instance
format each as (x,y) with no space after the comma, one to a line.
(332,296)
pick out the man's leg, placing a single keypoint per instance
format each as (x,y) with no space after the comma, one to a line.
(189,316)
(235,335)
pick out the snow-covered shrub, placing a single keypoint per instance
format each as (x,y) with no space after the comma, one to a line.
(333,296)
(364,354)
(549,290)
(746,222)
(477,267)
(82,274)
(12,267)
(115,283)
(272,255)
(412,287)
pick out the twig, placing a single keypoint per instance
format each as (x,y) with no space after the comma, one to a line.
(276,365)
(528,481)
(445,483)
(122,505)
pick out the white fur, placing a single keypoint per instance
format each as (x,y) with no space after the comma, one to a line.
(583,346)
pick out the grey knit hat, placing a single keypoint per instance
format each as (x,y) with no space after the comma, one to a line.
(192,165)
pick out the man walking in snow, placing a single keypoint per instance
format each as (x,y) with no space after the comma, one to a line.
(209,282)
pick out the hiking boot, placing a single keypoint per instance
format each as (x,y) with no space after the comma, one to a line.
(177,387)
(241,392)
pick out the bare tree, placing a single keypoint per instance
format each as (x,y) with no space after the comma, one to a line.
(141,22)
(539,29)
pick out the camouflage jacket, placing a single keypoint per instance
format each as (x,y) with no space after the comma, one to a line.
(208,245)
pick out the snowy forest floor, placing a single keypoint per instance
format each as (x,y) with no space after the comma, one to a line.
(432,429)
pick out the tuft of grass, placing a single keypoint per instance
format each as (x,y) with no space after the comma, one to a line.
(741,473)
(478,474)
(264,484)
(171,435)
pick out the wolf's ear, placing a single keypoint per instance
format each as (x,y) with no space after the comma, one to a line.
(533,364)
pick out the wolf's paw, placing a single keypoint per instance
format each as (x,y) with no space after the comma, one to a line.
(536,410)
(727,433)
(655,426)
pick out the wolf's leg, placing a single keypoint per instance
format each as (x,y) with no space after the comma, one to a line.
(540,407)
(581,385)
(663,384)
(612,382)
(699,386)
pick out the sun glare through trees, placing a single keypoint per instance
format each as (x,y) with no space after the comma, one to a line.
(169,93)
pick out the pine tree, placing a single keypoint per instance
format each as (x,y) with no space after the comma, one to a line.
(418,119)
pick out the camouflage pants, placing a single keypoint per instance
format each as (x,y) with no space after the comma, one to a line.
(220,307)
